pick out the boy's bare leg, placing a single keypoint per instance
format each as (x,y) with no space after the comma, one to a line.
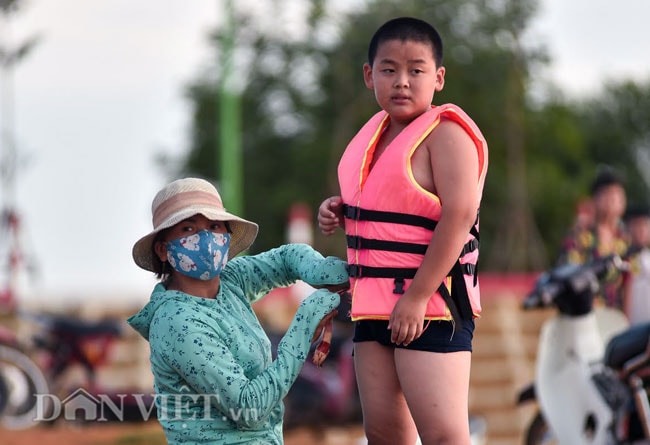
(436,387)
(386,417)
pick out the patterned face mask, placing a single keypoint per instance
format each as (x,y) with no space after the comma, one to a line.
(201,256)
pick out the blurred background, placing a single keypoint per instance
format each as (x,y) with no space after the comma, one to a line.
(104,102)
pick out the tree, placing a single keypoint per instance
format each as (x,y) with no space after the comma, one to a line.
(295,132)
(487,73)
(616,126)
(303,98)
(279,90)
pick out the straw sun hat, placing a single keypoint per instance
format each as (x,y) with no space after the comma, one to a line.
(178,201)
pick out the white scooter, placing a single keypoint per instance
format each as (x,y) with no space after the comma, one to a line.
(590,367)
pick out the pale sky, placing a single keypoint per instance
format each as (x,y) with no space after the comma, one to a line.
(102,93)
(592,41)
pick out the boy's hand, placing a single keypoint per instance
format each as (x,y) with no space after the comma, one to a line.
(330,215)
(407,320)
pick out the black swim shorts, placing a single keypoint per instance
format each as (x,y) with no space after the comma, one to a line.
(437,337)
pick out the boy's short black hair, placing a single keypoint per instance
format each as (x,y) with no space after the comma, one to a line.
(605,177)
(636,211)
(407,28)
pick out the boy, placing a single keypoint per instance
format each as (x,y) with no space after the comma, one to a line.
(411,183)
(637,301)
(605,235)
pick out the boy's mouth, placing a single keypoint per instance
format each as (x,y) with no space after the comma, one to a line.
(400,98)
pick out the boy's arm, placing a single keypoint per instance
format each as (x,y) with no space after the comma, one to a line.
(454,165)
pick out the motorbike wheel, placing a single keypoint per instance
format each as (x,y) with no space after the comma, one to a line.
(539,433)
(24,380)
(4,394)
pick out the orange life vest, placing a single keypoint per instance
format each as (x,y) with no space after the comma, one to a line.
(390,218)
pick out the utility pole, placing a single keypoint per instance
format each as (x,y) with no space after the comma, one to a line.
(230,159)
(9,216)
(8,59)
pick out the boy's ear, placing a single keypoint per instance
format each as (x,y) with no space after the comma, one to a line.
(440,78)
(367,76)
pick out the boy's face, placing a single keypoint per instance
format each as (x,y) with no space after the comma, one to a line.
(610,202)
(639,228)
(404,77)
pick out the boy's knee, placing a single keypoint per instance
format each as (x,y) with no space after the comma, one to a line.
(388,433)
(442,437)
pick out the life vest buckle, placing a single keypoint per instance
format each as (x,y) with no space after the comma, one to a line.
(354,242)
(351,212)
(399,286)
(354,270)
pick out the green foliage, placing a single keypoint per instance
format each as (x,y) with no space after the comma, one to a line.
(559,170)
(304,98)
(617,128)
(280,164)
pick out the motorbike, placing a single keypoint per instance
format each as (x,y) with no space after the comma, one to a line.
(69,341)
(20,379)
(36,392)
(592,370)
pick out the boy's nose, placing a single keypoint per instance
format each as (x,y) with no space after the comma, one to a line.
(401,80)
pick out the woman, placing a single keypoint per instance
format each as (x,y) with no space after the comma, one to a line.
(214,376)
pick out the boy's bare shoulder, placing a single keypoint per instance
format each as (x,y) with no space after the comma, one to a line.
(449,127)
(445,151)
(448,134)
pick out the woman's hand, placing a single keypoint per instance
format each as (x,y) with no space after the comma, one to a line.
(323,349)
(323,323)
(340,289)
(329,273)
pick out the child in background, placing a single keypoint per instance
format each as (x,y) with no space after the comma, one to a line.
(605,235)
(637,308)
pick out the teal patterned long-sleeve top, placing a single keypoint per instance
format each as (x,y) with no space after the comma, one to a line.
(214,376)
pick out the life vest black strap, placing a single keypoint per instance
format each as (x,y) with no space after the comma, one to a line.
(451,303)
(459,289)
(457,302)
(466,269)
(361,271)
(358,242)
(359,214)
(469,246)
